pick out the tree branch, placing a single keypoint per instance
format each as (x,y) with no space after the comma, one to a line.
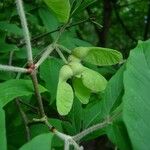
(37,93)
(44,56)
(13,69)
(25,30)
(89,130)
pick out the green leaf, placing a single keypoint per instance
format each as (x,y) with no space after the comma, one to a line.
(48,19)
(70,41)
(75,117)
(82,5)
(93,80)
(102,108)
(49,72)
(136,110)
(4,47)
(81,92)
(61,8)
(40,142)
(98,55)
(117,133)
(64,99)
(10,28)
(3,143)
(15,88)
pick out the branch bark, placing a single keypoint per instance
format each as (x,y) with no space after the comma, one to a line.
(25,30)
(13,69)
(37,93)
(107,13)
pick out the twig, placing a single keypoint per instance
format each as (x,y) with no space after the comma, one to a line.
(66,145)
(56,30)
(28,105)
(37,93)
(89,130)
(61,55)
(10,58)
(44,56)
(25,30)
(13,69)
(50,48)
(62,136)
(63,48)
(25,120)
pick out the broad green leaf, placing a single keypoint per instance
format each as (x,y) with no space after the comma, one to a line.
(81,92)
(117,133)
(15,88)
(98,55)
(136,110)
(49,72)
(40,142)
(75,118)
(83,5)
(61,8)
(50,22)
(69,40)
(3,143)
(93,80)
(10,28)
(102,108)
(64,98)
(37,129)
(4,47)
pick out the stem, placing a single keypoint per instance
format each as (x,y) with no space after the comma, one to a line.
(90,130)
(25,30)
(56,30)
(66,145)
(62,136)
(13,69)
(61,55)
(50,48)
(64,48)
(25,120)
(44,56)
(60,32)
(37,93)
(10,58)
(28,105)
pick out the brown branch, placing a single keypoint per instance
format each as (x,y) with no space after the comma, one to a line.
(37,93)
